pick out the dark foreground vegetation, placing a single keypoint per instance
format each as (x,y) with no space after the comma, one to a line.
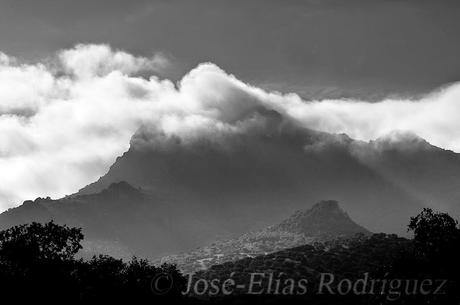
(38,263)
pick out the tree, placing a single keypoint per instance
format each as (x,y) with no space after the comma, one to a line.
(39,259)
(436,235)
(37,262)
(39,242)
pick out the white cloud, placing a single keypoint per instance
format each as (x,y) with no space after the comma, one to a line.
(61,129)
(90,60)
(435,118)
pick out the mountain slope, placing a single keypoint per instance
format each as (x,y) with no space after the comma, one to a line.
(254,180)
(428,173)
(347,258)
(120,220)
(324,222)
(198,191)
(325,219)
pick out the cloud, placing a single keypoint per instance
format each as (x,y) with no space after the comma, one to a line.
(434,117)
(62,125)
(90,60)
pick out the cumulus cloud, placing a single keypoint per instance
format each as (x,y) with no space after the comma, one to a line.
(63,125)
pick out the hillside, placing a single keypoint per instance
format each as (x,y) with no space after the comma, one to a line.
(324,222)
(112,221)
(348,258)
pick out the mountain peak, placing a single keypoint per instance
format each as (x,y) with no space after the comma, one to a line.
(401,140)
(325,221)
(325,218)
(121,189)
(122,186)
(325,206)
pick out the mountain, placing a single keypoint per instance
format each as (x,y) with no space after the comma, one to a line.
(427,173)
(168,194)
(325,219)
(121,221)
(324,222)
(255,179)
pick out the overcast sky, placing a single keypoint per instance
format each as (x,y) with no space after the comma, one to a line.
(313,47)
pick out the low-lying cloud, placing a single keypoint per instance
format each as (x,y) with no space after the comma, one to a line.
(63,122)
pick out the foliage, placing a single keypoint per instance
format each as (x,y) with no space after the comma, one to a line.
(38,242)
(37,262)
(435,234)
(436,252)
(432,254)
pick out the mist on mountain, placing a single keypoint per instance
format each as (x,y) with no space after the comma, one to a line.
(186,193)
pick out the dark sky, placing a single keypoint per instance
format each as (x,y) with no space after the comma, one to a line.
(314,47)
